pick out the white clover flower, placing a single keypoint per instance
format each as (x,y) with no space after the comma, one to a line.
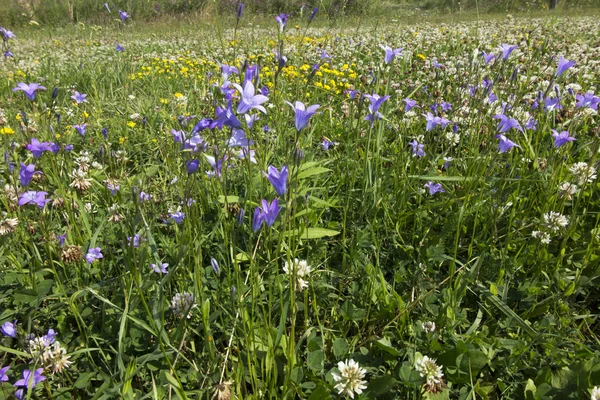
(429,327)
(452,138)
(567,190)
(555,221)
(585,173)
(428,369)
(8,225)
(595,393)
(80,180)
(301,270)
(55,358)
(350,380)
(182,305)
(544,237)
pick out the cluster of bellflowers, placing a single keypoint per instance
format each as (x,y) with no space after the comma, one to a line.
(44,352)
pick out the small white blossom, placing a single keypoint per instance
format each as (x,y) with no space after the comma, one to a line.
(555,221)
(428,369)
(595,393)
(567,190)
(429,327)
(543,236)
(182,305)
(585,173)
(301,270)
(350,380)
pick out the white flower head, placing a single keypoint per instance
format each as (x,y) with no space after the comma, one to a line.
(350,380)
(555,221)
(182,305)
(567,190)
(585,173)
(300,270)
(428,369)
(543,236)
(429,327)
(595,393)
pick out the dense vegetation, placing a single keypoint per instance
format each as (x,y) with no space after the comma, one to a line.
(249,210)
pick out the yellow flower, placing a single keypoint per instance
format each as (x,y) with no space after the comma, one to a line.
(57,136)
(164,101)
(178,95)
(85,114)
(131,124)
(7,131)
(422,57)
(122,140)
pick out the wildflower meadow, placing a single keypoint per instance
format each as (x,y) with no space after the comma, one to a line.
(295,206)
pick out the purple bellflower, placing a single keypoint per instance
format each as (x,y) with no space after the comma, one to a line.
(376,102)
(302,113)
(80,128)
(507,50)
(29,381)
(6,34)
(177,216)
(410,104)
(9,329)
(551,104)
(267,213)
(531,124)
(563,66)
(488,57)
(106,6)
(215,266)
(119,48)
(505,143)
(192,166)
(282,21)
(29,90)
(278,179)
(124,15)
(160,268)
(33,197)
(587,100)
(240,10)
(225,117)
(249,100)
(390,53)
(217,165)
(562,138)
(79,97)
(238,138)
(434,187)
(506,123)
(227,71)
(93,254)
(3,376)
(26,173)
(417,148)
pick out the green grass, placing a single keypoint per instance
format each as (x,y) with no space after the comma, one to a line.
(514,317)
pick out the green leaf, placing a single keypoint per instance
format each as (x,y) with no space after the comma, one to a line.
(26,296)
(83,380)
(312,233)
(381,385)
(315,360)
(312,171)
(320,393)
(500,305)
(442,178)
(230,199)
(385,345)
(340,347)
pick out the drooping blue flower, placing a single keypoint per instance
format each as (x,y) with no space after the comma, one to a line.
(124,15)
(531,124)
(225,117)
(3,376)
(6,34)
(238,138)
(33,197)
(552,103)
(217,164)
(302,113)
(562,138)
(313,14)
(215,266)
(227,71)
(26,173)
(410,104)
(278,179)
(250,100)
(266,213)
(113,187)
(79,97)
(29,90)
(587,100)
(434,187)
(282,21)
(507,50)
(80,128)
(93,254)
(177,216)
(563,65)
(506,123)
(376,102)
(433,121)
(417,148)
(192,166)
(134,241)
(30,379)
(120,48)
(61,239)
(240,10)
(106,6)
(505,143)
(160,268)
(9,329)
(488,58)
(390,53)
